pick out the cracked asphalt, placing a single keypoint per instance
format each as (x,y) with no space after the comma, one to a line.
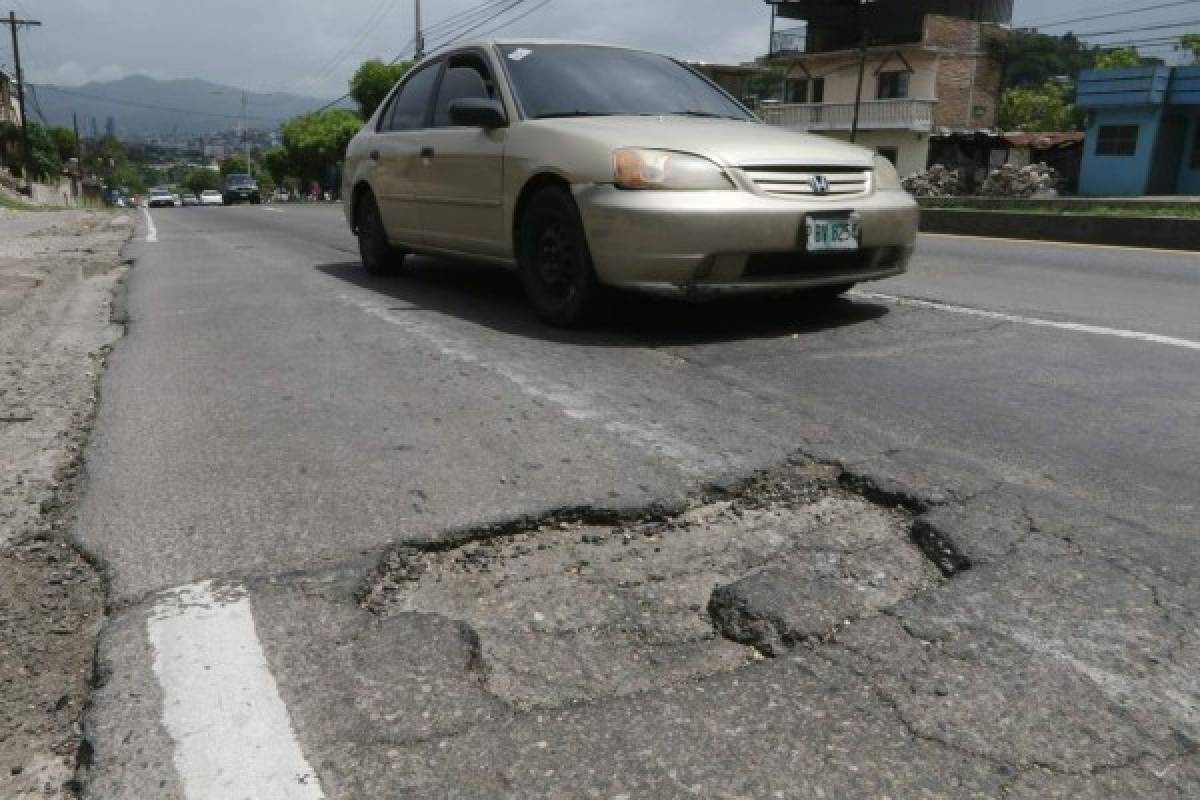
(390,537)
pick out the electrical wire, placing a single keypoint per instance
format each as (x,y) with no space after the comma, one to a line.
(135,104)
(1138,10)
(516,19)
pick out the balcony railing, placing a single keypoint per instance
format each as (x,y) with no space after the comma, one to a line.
(790,42)
(912,115)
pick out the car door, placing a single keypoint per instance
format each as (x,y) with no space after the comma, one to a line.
(461,182)
(395,149)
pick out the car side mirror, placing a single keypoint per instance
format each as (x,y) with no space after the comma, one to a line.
(477,112)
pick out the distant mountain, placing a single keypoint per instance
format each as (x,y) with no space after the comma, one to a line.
(142,106)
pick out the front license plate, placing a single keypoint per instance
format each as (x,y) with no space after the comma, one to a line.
(832,234)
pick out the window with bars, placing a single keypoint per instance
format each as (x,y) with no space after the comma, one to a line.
(1117,140)
(893,85)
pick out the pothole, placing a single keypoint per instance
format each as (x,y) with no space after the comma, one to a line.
(572,611)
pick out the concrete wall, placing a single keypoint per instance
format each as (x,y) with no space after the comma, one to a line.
(970,70)
(840,71)
(913,151)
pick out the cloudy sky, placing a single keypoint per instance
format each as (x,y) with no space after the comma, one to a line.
(312,46)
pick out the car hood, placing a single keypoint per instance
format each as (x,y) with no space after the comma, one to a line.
(729,142)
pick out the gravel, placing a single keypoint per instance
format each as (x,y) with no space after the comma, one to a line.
(58,272)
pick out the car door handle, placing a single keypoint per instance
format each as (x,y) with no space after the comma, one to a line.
(374,155)
(427,152)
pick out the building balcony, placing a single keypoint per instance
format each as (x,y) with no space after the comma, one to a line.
(908,115)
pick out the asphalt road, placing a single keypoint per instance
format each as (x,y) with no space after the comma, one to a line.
(276,421)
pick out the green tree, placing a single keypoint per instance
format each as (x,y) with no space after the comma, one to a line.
(1118,58)
(198,180)
(372,81)
(1190,43)
(277,165)
(64,143)
(1047,108)
(127,177)
(315,142)
(1034,58)
(46,161)
(234,165)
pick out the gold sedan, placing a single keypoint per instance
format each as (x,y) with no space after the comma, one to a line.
(583,165)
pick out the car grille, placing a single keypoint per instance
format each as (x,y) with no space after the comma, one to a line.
(784,180)
(798,264)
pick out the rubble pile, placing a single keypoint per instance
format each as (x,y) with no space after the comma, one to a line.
(1035,180)
(937,181)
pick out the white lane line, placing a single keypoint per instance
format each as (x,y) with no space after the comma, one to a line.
(151,231)
(1076,327)
(274,210)
(233,736)
(575,403)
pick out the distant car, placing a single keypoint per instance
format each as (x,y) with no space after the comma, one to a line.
(160,198)
(189,199)
(580,166)
(211,197)
(241,189)
(176,199)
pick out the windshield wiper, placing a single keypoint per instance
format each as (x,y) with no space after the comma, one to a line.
(575,113)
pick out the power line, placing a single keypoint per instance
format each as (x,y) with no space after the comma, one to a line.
(384,8)
(1057,17)
(465,31)
(516,19)
(1179,24)
(151,106)
(1138,10)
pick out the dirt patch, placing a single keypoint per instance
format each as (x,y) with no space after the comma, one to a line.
(571,611)
(57,276)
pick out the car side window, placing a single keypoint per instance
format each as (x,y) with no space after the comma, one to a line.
(463,78)
(412,102)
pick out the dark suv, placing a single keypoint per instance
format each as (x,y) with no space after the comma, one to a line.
(241,189)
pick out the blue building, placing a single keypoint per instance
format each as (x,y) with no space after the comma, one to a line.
(1143,131)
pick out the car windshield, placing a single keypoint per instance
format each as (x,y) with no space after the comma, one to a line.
(240,180)
(582,81)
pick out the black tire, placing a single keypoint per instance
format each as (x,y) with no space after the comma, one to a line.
(378,256)
(554,260)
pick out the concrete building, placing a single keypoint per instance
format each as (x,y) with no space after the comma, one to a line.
(930,66)
(1143,131)
(10,104)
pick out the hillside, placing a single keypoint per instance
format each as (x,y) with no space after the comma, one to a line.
(143,106)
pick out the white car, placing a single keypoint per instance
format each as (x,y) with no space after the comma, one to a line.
(211,197)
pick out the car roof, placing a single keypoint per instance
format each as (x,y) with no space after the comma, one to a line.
(530,42)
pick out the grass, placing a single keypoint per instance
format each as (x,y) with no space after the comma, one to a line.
(1180,211)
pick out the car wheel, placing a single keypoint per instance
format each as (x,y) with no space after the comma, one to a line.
(555,264)
(378,256)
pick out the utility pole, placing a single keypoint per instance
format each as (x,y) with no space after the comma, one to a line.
(862,68)
(419,38)
(14,23)
(78,147)
(246,135)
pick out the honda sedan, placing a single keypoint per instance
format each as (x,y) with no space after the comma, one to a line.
(582,166)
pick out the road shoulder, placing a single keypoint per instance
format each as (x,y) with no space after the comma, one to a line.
(59,272)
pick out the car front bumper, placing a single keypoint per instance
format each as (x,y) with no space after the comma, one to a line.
(697,243)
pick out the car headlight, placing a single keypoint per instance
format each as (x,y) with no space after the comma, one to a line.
(635,168)
(886,176)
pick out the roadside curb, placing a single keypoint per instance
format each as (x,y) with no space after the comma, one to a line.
(1166,233)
